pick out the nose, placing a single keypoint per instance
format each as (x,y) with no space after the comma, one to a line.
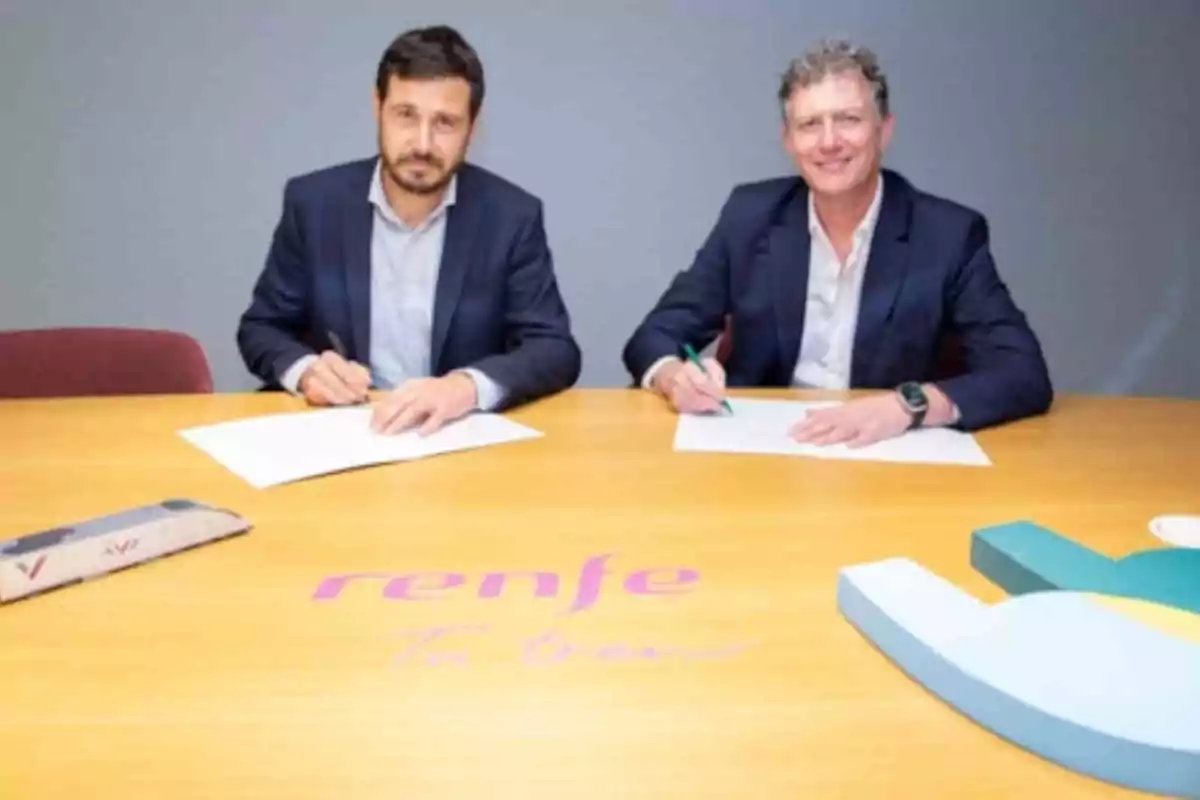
(828,136)
(424,143)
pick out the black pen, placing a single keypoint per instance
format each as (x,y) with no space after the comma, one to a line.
(340,349)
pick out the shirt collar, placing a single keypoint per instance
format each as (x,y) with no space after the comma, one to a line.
(865,227)
(377,198)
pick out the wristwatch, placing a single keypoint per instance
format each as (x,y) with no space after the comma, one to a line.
(913,398)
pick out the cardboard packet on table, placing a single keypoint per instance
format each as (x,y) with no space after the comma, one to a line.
(40,561)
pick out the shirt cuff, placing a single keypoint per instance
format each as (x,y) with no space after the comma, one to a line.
(290,380)
(487,391)
(648,377)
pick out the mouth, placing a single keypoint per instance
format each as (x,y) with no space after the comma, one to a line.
(834,164)
(420,163)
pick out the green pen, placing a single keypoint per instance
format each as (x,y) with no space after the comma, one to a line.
(695,359)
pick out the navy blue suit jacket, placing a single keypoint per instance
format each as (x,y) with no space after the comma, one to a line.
(497,306)
(929,276)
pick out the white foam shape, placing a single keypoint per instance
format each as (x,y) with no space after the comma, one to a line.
(1058,673)
(1181,530)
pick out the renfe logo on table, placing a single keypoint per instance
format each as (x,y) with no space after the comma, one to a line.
(449,644)
(431,585)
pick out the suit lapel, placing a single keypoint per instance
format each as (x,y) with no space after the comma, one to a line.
(886,269)
(359,215)
(462,224)
(784,253)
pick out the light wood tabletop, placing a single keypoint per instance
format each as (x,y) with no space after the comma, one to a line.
(708,660)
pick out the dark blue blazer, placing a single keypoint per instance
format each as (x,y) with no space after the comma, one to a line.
(929,281)
(497,306)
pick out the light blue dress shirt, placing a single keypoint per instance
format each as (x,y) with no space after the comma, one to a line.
(405,261)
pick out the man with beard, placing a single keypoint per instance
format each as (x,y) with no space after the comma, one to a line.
(846,276)
(414,271)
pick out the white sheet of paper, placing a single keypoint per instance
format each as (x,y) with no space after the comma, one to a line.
(278,448)
(761,427)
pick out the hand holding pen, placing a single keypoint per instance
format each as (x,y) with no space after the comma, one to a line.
(332,379)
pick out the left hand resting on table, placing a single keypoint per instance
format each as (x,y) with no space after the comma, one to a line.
(858,423)
(428,402)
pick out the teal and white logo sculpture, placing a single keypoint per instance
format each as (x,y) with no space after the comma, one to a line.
(1093,663)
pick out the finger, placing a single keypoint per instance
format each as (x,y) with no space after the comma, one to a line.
(413,413)
(336,388)
(822,415)
(836,435)
(315,394)
(688,400)
(681,390)
(864,438)
(716,373)
(389,408)
(354,375)
(362,377)
(813,425)
(326,388)
(699,383)
(348,374)
(436,419)
(808,433)
(700,404)
(336,364)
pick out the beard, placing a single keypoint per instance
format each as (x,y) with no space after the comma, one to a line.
(438,175)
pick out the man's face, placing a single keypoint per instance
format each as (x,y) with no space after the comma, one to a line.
(835,134)
(425,127)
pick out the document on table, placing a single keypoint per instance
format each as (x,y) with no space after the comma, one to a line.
(278,448)
(761,426)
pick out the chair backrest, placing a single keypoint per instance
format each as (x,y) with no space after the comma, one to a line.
(82,361)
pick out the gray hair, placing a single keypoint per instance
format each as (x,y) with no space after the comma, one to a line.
(832,57)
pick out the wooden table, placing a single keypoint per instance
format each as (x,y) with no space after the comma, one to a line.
(215,674)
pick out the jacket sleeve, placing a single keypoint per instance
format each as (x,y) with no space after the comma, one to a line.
(542,356)
(1006,375)
(270,332)
(691,310)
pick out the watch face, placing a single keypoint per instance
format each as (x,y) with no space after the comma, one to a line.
(913,396)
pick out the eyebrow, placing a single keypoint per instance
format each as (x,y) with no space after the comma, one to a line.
(406,106)
(860,110)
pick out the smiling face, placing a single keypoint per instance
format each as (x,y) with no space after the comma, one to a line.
(835,133)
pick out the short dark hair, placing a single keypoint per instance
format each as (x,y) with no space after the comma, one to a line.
(434,52)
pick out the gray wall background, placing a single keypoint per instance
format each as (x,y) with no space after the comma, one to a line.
(144,147)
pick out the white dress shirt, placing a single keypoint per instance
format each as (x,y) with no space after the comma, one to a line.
(831,307)
(405,261)
(831,304)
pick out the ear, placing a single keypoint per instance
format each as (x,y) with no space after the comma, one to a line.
(376,103)
(785,138)
(885,134)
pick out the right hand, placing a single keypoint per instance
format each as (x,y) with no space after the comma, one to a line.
(333,381)
(689,390)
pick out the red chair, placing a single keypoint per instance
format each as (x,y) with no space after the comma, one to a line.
(75,362)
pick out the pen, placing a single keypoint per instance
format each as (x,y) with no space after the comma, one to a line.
(695,359)
(340,349)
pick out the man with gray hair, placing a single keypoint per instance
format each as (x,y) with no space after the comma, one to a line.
(845,277)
